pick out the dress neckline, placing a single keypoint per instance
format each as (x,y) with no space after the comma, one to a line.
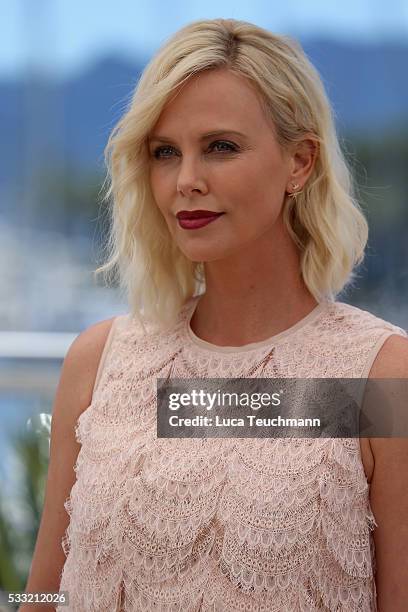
(194,339)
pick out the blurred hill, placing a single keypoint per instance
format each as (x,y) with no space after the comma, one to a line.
(364,82)
(69,119)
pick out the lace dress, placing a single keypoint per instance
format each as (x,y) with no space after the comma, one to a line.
(229,524)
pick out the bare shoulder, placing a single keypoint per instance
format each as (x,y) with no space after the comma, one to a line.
(389,490)
(392,359)
(390,362)
(91,339)
(82,359)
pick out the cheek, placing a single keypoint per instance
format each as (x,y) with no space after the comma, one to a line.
(160,189)
(258,210)
(237,182)
(256,188)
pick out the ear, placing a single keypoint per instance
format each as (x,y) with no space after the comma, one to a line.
(303,157)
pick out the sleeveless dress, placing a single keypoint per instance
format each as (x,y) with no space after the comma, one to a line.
(274,525)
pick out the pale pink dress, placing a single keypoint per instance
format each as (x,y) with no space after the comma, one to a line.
(220,524)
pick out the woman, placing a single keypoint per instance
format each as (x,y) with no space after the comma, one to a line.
(227,180)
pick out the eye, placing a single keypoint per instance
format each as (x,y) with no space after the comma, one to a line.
(230,147)
(223,146)
(157,153)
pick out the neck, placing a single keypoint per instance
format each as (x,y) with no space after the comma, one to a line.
(252,295)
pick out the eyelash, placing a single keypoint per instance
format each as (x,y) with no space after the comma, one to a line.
(233,149)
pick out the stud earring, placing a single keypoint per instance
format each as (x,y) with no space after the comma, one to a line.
(294,193)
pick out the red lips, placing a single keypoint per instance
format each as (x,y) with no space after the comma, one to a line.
(197,214)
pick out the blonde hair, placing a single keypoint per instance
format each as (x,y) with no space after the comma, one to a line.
(324,220)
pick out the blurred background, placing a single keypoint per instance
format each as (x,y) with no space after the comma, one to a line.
(67,70)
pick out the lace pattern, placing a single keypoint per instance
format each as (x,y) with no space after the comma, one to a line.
(219,524)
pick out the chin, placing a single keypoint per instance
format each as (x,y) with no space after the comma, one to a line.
(203,254)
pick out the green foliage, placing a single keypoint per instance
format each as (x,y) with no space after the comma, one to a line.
(19,528)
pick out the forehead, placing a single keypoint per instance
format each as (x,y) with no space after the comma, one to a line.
(212,99)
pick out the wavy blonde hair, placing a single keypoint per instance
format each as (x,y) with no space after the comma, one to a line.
(324,220)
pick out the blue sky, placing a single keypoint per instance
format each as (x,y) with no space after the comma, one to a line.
(64,35)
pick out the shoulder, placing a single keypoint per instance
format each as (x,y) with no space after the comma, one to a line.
(388,487)
(90,342)
(391,362)
(83,357)
(361,336)
(363,327)
(360,319)
(392,359)
(355,325)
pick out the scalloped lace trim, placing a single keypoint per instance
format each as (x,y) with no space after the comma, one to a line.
(219,524)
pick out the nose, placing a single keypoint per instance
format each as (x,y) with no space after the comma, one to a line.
(191,178)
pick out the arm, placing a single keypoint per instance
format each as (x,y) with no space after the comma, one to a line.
(73,396)
(389,492)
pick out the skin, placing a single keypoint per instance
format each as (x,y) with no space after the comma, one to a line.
(248,297)
(389,491)
(254,289)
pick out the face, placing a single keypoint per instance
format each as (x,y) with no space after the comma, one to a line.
(214,150)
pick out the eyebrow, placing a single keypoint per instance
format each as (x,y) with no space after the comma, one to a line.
(157,138)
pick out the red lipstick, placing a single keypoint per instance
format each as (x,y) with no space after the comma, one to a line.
(193,219)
